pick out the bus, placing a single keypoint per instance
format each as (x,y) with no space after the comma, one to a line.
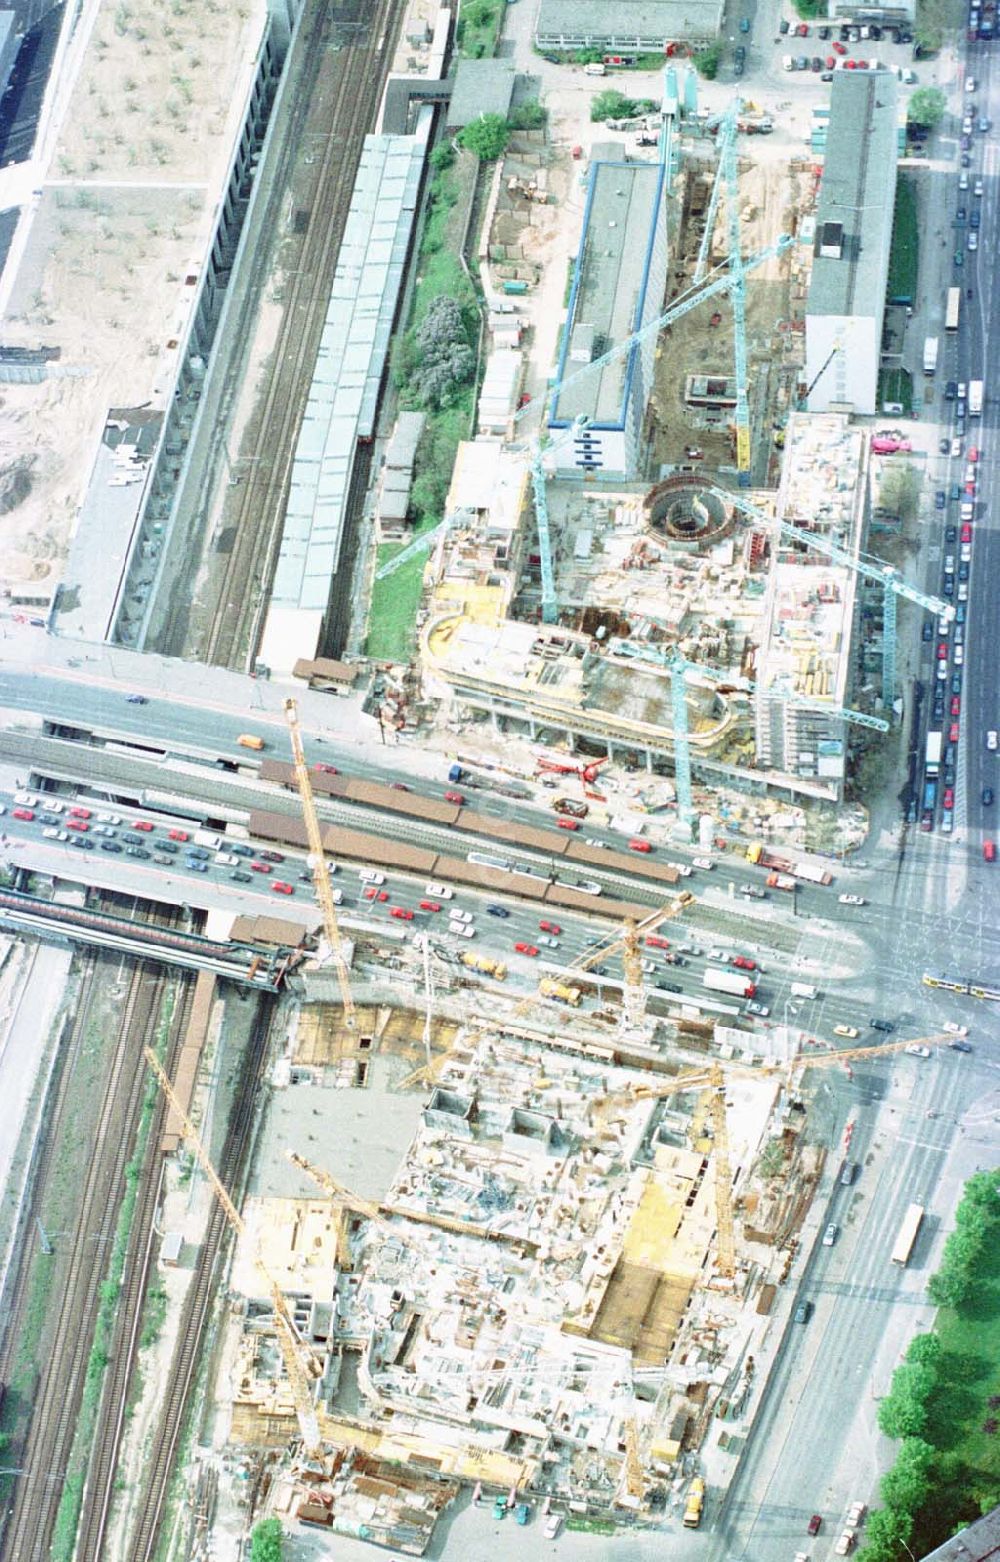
(960,984)
(951,312)
(912,1222)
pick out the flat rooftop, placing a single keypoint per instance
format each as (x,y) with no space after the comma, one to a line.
(623,202)
(855,209)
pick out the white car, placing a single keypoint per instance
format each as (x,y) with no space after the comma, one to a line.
(460,916)
(461,929)
(917,1051)
(991,741)
(951,1026)
(440,891)
(850,1031)
(109,818)
(703,862)
(370,876)
(973,240)
(959,654)
(553,1524)
(845,1543)
(550,943)
(591,840)
(52,834)
(26,799)
(830,1234)
(977,189)
(683,868)
(852,900)
(970,83)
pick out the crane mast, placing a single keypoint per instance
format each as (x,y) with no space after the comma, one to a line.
(317,861)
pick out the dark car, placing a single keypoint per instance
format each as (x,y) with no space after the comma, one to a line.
(975,217)
(497,911)
(200,853)
(987,796)
(739,61)
(959,1046)
(950,533)
(824,32)
(136,699)
(110,846)
(195,866)
(784,25)
(960,218)
(239,877)
(885,1026)
(950,392)
(848,1173)
(136,851)
(814,1524)
(82,841)
(802,1314)
(269,856)
(940,499)
(239,850)
(816,64)
(670,987)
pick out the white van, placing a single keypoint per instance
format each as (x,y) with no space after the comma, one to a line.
(440,891)
(595,69)
(370,876)
(803,990)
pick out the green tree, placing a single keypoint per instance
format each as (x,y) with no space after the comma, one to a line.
(924,1350)
(927,107)
(903,1412)
(886,1533)
(528,116)
(907,1486)
(981,1196)
(707,61)
(611,104)
(267,1541)
(899,490)
(442,156)
(486,137)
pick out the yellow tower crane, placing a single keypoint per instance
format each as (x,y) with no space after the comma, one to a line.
(344,1200)
(714,1076)
(300,1364)
(630,944)
(317,861)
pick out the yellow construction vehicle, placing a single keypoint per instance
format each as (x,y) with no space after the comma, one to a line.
(485,964)
(560,992)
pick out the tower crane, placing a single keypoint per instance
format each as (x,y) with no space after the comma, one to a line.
(679,667)
(688,301)
(630,944)
(317,861)
(714,1077)
(300,1364)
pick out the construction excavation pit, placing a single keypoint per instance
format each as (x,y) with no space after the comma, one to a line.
(681,509)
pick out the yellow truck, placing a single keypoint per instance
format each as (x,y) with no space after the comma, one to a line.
(560,992)
(250,740)
(484,964)
(694,1504)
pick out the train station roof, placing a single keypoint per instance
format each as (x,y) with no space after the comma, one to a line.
(343,398)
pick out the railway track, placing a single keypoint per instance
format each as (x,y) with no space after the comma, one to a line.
(45,1458)
(159,1458)
(362,65)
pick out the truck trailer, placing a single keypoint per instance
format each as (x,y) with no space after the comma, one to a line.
(737,983)
(813,872)
(930,354)
(932,756)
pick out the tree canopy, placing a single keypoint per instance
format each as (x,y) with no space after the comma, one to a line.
(927,107)
(486,137)
(267,1541)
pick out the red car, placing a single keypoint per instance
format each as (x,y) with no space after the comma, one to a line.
(953,732)
(989,851)
(801,31)
(831,62)
(639,846)
(972,454)
(943,651)
(454,797)
(282,889)
(401,913)
(569,824)
(22,813)
(77,824)
(744,963)
(79,813)
(178,835)
(550,927)
(260,867)
(948,801)
(966,533)
(327,770)
(814,1524)
(839,48)
(654,941)
(371,893)
(970,488)
(142,824)
(526,949)
(399,786)
(430,905)
(270,856)
(956,704)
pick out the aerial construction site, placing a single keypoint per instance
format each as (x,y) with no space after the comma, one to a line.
(491,915)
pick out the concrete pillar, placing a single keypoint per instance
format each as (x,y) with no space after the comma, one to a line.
(649,760)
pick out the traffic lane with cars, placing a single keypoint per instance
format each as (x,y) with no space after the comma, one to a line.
(811,1452)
